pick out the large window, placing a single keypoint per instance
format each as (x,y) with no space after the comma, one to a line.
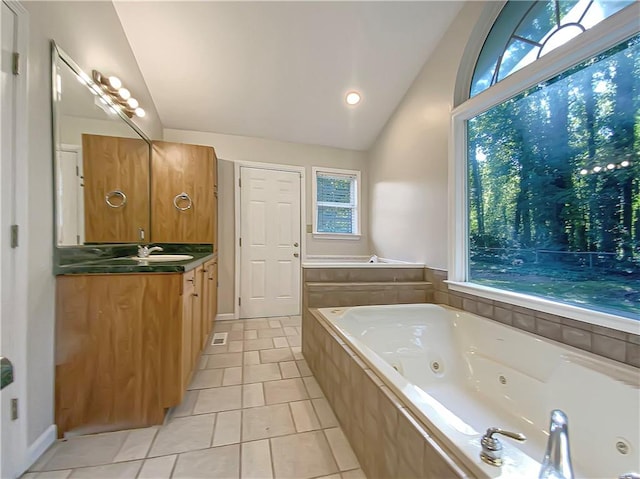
(336,202)
(551,176)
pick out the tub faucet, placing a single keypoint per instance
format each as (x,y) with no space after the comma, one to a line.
(557,460)
(145,251)
(492,448)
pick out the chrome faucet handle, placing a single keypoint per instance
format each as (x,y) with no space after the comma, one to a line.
(143,251)
(492,447)
(629,475)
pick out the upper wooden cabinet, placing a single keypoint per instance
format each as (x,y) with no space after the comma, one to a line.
(116,189)
(183,196)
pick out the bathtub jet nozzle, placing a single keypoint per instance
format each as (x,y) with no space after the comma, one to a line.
(556,463)
(492,447)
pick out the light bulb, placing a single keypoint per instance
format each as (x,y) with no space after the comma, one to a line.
(124,93)
(353,98)
(140,112)
(624,163)
(597,169)
(133,103)
(610,166)
(114,82)
(584,171)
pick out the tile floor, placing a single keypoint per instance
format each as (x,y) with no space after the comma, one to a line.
(253,410)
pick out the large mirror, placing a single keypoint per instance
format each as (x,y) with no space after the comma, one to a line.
(101,163)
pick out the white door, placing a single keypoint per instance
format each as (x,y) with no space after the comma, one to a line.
(12,440)
(70,196)
(270,243)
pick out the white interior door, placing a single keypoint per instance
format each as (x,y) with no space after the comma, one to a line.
(12,439)
(70,196)
(270,243)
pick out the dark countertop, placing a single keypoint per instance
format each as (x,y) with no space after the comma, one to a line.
(124,265)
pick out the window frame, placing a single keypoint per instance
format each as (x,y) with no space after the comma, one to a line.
(357,207)
(611,31)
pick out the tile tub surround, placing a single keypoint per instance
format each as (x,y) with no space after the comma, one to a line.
(253,410)
(326,287)
(606,342)
(388,440)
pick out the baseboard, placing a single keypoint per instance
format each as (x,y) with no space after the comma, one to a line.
(40,445)
(225,317)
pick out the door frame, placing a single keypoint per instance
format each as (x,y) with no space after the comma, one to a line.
(237,210)
(24,454)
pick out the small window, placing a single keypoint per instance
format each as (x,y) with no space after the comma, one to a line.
(336,202)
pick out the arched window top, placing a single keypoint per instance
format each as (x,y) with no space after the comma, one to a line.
(526,30)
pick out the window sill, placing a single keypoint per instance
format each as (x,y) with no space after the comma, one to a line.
(598,318)
(336,236)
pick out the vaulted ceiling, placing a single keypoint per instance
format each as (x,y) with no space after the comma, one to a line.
(281,70)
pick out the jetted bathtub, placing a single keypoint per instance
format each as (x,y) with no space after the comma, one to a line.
(461,374)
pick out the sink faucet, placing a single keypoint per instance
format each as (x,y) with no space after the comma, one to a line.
(492,448)
(145,251)
(557,460)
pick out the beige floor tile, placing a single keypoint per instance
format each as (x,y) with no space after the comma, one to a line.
(266,421)
(302,456)
(355,474)
(299,329)
(280,342)
(285,390)
(237,327)
(294,341)
(325,413)
(158,467)
(218,399)
(227,429)
(84,451)
(184,434)
(276,355)
(121,470)
(222,326)
(303,367)
(257,373)
(304,416)
(332,476)
(290,331)
(270,333)
(251,357)
(292,321)
(275,323)
(224,360)
(202,362)
(185,408)
(235,336)
(313,388)
(218,462)
(137,444)
(236,346)
(206,378)
(257,323)
(252,395)
(256,460)
(250,334)
(217,348)
(46,456)
(341,449)
(297,353)
(289,369)
(232,376)
(63,474)
(255,344)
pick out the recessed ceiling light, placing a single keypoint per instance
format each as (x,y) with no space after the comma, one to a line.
(353,98)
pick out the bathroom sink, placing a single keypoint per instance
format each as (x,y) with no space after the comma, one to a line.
(164,257)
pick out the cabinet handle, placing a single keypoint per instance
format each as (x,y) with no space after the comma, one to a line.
(192,280)
(195,295)
(182,196)
(111,194)
(210,279)
(296,255)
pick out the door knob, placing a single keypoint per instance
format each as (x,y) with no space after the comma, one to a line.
(296,255)
(295,245)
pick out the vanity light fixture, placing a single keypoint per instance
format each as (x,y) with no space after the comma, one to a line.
(112,91)
(353,98)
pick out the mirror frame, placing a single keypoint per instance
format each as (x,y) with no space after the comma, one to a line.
(58,54)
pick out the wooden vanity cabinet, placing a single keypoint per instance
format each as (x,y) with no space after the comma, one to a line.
(183,201)
(126,347)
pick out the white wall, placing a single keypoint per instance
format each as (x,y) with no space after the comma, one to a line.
(242,148)
(91,33)
(408,161)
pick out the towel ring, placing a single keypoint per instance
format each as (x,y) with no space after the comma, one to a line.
(182,196)
(113,193)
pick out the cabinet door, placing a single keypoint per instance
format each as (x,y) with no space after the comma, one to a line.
(182,193)
(115,169)
(215,203)
(188,289)
(196,338)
